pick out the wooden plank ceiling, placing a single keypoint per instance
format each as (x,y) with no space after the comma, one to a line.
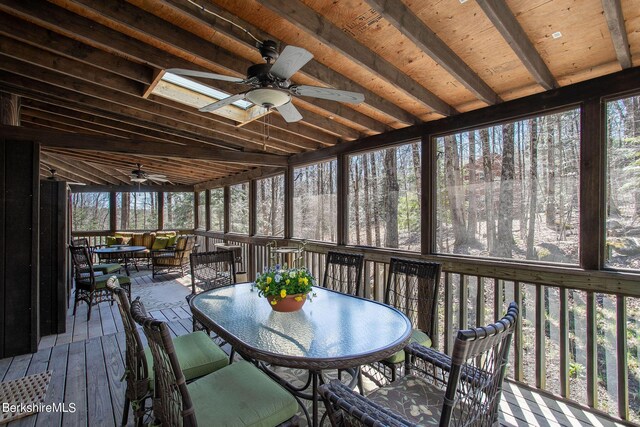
(90,67)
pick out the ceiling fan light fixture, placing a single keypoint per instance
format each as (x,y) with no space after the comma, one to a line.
(268,97)
(138,179)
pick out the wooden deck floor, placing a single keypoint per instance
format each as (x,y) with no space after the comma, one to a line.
(88,361)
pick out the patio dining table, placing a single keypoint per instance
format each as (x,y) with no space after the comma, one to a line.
(333,331)
(124,251)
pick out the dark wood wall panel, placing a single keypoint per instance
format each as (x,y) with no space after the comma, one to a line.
(19,185)
(53,257)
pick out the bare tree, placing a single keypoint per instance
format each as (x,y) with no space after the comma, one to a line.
(455,193)
(376,209)
(551,174)
(391,189)
(487,166)
(504,247)
(533,188)
(472,216)
(367,209)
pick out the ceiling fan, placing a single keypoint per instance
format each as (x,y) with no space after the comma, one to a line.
(269,83)
(53,177)
(140,176)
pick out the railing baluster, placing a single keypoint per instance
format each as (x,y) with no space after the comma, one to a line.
(623,369)
(592,353)
(564,343)
(448,314)
(463,302)
(541,361)
(366,280)
(498,299)
(518,369)
(480,302)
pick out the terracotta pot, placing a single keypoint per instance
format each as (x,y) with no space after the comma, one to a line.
(288,304)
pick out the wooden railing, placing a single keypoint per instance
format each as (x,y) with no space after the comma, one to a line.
(578,336)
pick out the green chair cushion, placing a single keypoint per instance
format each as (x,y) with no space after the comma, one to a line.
(172,240)
(107,268)
(197,353)
(416,336)
(240,395)
(160,243)
(101,280)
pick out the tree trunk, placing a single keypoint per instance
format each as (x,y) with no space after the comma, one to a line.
(320,202)
(356,199)
(391,199)
(273,209)
(472,215)
(330,194)
(533,189)
(504,247)
(417,168)
(551,177)
(376,199)
(455,193)
(367,209)
(487,166)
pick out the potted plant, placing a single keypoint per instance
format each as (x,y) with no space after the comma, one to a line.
(286,289)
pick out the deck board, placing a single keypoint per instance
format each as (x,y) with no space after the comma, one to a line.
(88,360)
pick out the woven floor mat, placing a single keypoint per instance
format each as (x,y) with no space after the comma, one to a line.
(28,391)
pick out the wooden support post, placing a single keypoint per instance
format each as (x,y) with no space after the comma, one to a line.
(592,185)
(250,267)
(623,368)
(9,109)
(541,354)
(564,342)
(288,203)
(113,218)
(427,195)
(227,209)
(160,198)
(518,369)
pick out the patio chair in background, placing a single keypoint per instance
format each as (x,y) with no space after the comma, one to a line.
(343,273)
(176,259)
(464,389)
(198,356)
(110,268)
(238,394)
(412,287)
(90,284)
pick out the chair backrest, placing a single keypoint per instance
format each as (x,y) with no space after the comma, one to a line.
(82,264)
(343,272)
(412,287)
(136,369)
(479,362)
(81,242)
(210,270)
(172,402)
(184,246)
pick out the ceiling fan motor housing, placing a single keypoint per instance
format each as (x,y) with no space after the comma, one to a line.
(269,50)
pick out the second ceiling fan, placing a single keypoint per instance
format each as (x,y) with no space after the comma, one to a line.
(269,83)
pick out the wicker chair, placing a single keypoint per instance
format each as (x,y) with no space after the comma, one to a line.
(462,390)
(238,394)
(210,270)
(176,259)
(195,351)
(343,273)
(412,287)
(110,268)
(91,284)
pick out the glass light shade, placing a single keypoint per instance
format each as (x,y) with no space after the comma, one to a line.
(138,179)
(267,97)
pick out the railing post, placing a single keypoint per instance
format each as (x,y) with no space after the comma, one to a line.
(251,249)
(541,354)
(342,195)
(113,226)
(623,369)
(160,196)
(288,203)
(564,342)
(592,352)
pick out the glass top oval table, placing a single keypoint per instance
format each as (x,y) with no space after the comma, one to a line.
(125,251)
(334,331)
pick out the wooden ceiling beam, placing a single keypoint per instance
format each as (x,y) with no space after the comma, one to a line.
(89,32)
(313,69)
(79,167)
(65,46)
(256,173)
(150,29)
(401,17)
(507,24)
(320,28)
(617,29)
(137,146)
(138,188)
(74,173)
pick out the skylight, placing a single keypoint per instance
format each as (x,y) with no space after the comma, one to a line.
(202,89)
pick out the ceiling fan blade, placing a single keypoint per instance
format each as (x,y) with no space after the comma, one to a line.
(290,60)
(289,112)
(204,74)
(158,179)
(223,102)
(327,93)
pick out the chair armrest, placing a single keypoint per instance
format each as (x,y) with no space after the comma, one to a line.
(163,253)
(437,365)
(342,402)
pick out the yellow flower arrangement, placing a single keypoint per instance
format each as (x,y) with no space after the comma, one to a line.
(278,282)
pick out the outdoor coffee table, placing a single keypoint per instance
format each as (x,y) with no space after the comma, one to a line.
(334,331)
(122,250)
